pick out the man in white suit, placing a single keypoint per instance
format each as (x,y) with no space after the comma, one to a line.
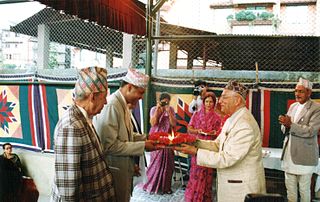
(300,149)
(237,152)
(115,129)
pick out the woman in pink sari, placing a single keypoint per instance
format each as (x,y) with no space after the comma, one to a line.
(160,170)
(204,124)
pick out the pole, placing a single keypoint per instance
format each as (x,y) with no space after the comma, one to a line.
(148,65)
(257,73)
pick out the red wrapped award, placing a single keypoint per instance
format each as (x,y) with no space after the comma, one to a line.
(171,139)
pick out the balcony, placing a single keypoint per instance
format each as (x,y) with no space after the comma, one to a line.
(246,23)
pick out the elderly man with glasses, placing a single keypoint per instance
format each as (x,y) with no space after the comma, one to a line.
(237,151)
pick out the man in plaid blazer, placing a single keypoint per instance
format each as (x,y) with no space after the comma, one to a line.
(81,173)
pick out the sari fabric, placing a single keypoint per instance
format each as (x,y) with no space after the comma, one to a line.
(161,166)
(199,187)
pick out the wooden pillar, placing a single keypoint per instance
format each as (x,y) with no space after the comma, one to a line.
(204,56)
(173,54)
(190,59)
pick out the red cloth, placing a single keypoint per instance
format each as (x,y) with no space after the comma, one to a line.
(122,15)
(29,192)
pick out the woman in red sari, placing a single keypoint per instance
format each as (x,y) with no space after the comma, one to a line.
(204,124)
(160,170)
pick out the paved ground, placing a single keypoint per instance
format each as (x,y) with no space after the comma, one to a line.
(141,196)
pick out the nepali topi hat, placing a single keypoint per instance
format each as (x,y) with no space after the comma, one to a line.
(91,80)
(237,87)
(136,78)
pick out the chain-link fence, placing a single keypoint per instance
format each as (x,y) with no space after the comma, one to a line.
(230,38)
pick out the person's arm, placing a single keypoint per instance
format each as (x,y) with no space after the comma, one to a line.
(192,123)
(216,127)
(18,162)
(172,116)
(193,130)
(113,133)
(193,105)
(155,113)
(309,129)
(67,150)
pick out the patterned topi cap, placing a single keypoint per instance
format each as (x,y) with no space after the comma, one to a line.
(136,78)
(237,87)
(304,82)
(91,80)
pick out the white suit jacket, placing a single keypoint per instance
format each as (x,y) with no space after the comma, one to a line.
(118,140)
(237,155)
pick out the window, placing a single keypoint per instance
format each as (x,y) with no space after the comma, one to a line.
(8,56)
(296,14)
(7,45)
(257,10)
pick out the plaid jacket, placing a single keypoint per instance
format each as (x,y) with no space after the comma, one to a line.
(81,174)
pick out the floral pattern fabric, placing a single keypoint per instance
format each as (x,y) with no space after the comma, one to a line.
(199,188)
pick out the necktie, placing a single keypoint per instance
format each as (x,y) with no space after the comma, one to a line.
(128,123)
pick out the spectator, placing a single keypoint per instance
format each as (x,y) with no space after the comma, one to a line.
(7,148)
(10,180)
(300,149)
(204,124)
(81,174)
(198,92)
(160,170)
(237,151)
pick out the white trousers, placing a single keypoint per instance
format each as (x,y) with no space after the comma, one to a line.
(292,181)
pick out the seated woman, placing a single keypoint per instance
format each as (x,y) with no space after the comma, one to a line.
(204,124)
(11,180)
(160,170)
(7,148)
(13,186)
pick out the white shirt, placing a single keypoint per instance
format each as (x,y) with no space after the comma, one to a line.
(195,105)
(287,163)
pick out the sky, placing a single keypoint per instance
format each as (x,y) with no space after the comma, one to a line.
(12,14)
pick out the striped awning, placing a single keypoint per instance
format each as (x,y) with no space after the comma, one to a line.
(123,15)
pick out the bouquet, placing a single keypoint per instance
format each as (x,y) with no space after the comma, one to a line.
(167,139)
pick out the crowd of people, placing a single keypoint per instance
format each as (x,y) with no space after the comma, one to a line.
(95,144)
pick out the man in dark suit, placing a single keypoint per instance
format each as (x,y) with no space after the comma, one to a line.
(300,151)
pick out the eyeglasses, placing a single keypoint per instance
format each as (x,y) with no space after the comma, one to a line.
(7,148)
(224,97)
(299,91)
